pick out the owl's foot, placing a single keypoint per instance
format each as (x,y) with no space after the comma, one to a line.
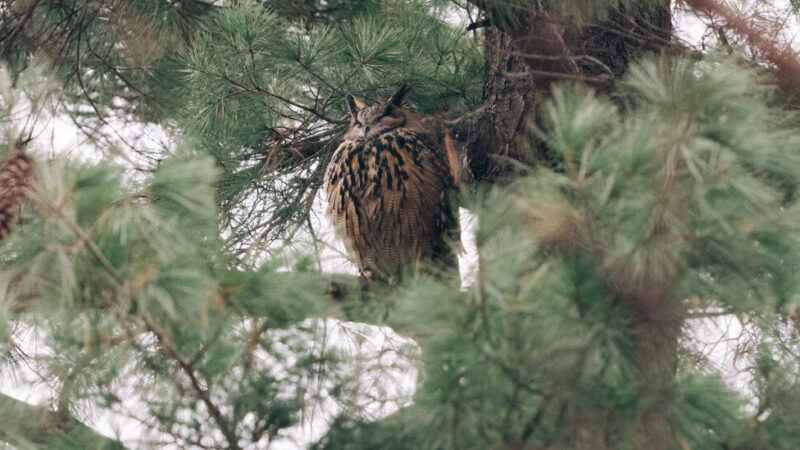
(367,273)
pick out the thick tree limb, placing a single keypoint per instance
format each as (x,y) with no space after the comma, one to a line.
(785,59)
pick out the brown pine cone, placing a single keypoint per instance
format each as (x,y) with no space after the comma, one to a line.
(15,177)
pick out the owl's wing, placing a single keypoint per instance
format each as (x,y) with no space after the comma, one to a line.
(342,200)
(389,201)
(439,186)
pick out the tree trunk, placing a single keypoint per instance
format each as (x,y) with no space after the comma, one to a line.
(509,108)
(656,358)
(523,61)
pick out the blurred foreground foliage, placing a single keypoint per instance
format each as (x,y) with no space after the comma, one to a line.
(155,283)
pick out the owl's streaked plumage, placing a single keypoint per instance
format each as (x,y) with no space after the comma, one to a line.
(387,187)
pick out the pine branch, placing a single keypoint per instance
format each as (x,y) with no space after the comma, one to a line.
(785,59)
(228,430)
(42,197)
(261,91)
(20,25)
(24,423)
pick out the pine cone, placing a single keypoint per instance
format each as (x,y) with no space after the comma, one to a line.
(15,177)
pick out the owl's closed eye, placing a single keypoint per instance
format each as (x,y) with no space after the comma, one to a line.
(373,121)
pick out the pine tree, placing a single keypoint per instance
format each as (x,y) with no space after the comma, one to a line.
(623,185)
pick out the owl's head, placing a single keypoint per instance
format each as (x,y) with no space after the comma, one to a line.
(368,122)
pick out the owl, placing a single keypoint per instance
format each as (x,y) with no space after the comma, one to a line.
(388,186)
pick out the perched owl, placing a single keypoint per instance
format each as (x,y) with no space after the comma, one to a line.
(388,189)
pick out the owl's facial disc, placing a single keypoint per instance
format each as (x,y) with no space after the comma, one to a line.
(373,121)
(370,122)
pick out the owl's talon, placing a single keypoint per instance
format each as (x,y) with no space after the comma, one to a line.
(368,274)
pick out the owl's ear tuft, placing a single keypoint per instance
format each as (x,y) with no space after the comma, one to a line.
(353,104)
(397,98)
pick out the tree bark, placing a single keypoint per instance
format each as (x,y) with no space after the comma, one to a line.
(523,61)
(656,358)
(509,107)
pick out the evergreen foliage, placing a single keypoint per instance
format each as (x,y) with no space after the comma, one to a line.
(543,350)
(175,285)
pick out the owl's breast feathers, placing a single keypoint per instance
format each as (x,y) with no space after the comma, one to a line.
(388,201)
